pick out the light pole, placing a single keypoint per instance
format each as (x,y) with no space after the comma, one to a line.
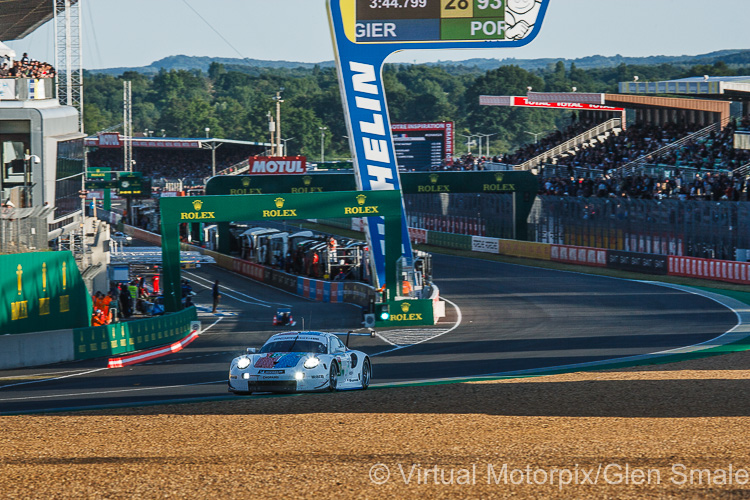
(27,170)
(286,151)
(536,135)
(278,100)
(213,146)
(487,143)
(322,143)
(468,142)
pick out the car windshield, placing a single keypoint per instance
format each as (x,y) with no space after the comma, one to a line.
(292,346)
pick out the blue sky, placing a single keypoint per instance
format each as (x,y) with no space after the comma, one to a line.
(136,32)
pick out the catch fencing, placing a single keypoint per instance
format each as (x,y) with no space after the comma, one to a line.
(696,228)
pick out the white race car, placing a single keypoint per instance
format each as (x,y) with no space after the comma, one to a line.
(300,362)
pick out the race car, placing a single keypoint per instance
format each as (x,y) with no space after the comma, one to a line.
(283,317)
(300,362)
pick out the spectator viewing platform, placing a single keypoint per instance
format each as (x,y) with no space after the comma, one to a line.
(707,86)
(24,78)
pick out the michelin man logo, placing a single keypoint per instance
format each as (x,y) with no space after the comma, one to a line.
(520,17)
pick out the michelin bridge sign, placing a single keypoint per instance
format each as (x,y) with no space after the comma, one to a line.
(366,32)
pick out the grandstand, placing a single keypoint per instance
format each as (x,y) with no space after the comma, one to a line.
(187,159)
(683,147)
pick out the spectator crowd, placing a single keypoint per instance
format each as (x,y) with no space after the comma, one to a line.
(25,68)
(170,163)
(707,186)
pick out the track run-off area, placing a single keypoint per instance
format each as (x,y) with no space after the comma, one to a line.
(501,319)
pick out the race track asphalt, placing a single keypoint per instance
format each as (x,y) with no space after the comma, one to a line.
(511,318)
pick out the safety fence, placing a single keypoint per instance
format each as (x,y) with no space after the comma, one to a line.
(124,337)
(646,263)
(694,228)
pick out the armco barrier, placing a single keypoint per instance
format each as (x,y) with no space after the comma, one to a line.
(579,255)
(485,245)
(124,337)
(320,291)
(245,268)
(449,240)
(720,270)
(638,262)
(417,235)
(358,293)
(525,249)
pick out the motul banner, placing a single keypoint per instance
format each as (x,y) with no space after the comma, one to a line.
(277,165)
(491,100)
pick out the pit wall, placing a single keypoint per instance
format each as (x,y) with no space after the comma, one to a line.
(59,346)
(668,265)
(125,337)
(318,290)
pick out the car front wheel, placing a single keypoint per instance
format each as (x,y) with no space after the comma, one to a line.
(366,374)
(333,380)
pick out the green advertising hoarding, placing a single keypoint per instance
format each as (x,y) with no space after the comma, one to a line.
(42,291)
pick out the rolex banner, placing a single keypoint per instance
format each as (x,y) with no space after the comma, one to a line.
(42,291)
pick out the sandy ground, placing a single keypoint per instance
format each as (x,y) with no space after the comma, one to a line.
(666,431)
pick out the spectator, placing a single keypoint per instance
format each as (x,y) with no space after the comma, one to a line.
(26,68)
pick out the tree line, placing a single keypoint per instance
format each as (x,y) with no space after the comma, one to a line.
(234,101)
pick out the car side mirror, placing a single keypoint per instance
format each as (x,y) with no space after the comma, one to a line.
(251,350)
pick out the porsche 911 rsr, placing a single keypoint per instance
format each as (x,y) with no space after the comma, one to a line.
(283,317)
(300,362)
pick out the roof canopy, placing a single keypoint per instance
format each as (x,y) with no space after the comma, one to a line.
(7,51)
(18,18)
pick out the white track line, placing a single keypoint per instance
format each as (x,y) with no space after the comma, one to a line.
(253,300)
(52,396)
(399,347)
(53,378)
(77,374)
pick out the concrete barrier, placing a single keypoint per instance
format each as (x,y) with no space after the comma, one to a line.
(34,349)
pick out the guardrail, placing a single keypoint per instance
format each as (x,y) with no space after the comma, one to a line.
(570,144)
(631,167)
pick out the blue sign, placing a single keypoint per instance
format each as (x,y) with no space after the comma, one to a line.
(366,32)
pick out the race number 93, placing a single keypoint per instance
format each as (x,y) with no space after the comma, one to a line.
(472,8)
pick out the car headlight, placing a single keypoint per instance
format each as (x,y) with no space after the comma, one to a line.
(311,363)
(243,363)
